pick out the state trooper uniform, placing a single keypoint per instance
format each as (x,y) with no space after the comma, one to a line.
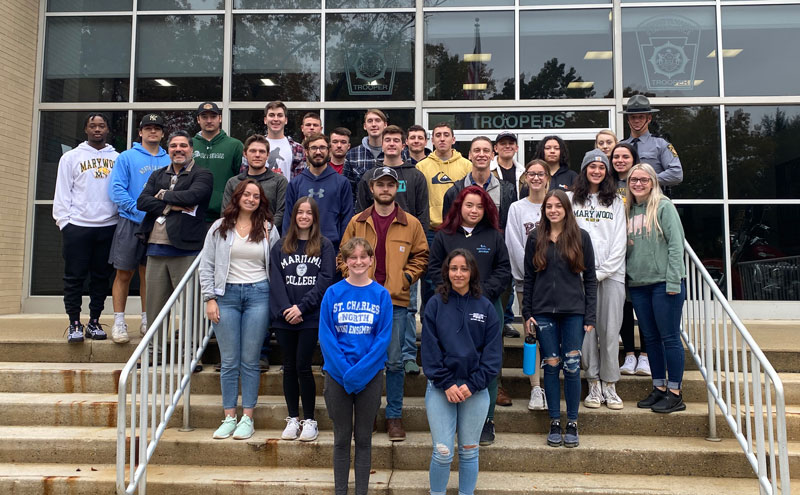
(654,150)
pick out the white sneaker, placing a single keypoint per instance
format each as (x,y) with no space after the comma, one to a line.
(538,401)
(292,430)
(610,396)
(595,397)
(119,333)
(629,366)
(143,329)
(310,431)
(643,366)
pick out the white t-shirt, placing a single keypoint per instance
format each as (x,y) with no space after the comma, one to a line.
(248,261)
(280,157)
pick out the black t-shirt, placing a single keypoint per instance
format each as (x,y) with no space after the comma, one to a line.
(509,175)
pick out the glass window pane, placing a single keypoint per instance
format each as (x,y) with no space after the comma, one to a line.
(756,42)
(179,58)
(765,252)
(276,4)
(59,132)
(576,149)
(174,120)
(562,2)
(469,55)
(493,122)
(180,4)
(577,62)
(87,59)
(467,3)
(664,54)
(354,120)
(763,152)
(703,228)
(369,4)
(291,73)
(369,57)
(47,265)
(88,5)
(245,123)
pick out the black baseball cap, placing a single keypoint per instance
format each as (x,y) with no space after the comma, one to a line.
(152,119)
(379,172)
(209,106)
(506,135)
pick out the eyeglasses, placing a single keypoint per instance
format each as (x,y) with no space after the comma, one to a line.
(535,175)
(318,148)
(636,180)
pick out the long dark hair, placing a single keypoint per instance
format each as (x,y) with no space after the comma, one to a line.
(453,220)
(474,276)
(257,219)
(563,157)
(605,193)
(634,154)
(569,244)
(314,243)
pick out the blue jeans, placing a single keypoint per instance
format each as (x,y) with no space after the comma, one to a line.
(243,321)
(410,337)
(659,316)
(561,337)
(445,419)
(395,374)
(508,313)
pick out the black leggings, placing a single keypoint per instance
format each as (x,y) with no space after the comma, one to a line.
(297,348)
(627,330)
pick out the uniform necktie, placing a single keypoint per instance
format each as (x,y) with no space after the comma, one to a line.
(635,144)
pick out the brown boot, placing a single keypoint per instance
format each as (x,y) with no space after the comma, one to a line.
(394,428)
(503,399)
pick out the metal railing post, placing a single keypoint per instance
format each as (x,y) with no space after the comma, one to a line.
(187,327)
(709,356)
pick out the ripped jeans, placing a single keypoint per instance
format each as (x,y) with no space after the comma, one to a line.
(445,419)
(561,337)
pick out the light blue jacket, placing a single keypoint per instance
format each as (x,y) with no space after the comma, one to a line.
(129,176)
(215,259)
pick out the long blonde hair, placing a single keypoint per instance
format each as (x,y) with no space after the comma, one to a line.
(653,201)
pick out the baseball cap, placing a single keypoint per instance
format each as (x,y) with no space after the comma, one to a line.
(209,106)
(152,119)
(506,135)
(594,156)
(379,172)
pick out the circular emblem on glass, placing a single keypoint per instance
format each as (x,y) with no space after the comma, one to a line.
(370,66)
(669,59)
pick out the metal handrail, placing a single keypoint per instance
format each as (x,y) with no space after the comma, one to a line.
(159,387)
(744,396)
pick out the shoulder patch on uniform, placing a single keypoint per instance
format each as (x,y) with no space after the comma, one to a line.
(672,149)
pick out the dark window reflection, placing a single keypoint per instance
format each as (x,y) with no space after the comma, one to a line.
(467,3)
(576,148)
(469,55)
(59,132)
(88,5)
(763,152)
(578,60)
(179,58)
(694,132)
(669,52)
(703,226)
(245,123)
(492,122)
(175,120)
(369,56)
(180,4)
(87,59)
(368,4)
(354,120)
(268,67)
(765,252)
(757,58)
(276,4)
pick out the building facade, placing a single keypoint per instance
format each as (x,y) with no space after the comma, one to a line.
(721,71)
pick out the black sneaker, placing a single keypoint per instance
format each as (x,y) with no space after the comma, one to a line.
(75,332)
(554,437)
(94,330)
(487,434)
(655,396)
(669,403)
(263,364)
(511,332)
(571,435)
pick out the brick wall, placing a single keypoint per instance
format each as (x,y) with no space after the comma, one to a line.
(19,22)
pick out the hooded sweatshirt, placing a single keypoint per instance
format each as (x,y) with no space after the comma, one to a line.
(129,176)
(461,341)
(355,327)
(440,176)
(412,192)
(274,186)
(563,178)
(333,195)
(223,156)
(607,227)
(658,256)
(82,183)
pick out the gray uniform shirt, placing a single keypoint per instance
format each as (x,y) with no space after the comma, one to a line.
(662,156)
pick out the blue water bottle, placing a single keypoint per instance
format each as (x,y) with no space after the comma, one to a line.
(529,353)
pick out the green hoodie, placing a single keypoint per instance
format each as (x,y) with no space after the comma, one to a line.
(223,157)
(657,258)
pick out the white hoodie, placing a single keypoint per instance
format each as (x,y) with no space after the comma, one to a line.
(81,197)
(607,227)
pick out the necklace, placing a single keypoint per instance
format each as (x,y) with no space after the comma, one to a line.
(242,230)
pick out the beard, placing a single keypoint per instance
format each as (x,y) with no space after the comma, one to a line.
(384,202)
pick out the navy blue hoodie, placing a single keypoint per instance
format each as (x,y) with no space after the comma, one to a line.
(461,341)
(299,279)
(333,195)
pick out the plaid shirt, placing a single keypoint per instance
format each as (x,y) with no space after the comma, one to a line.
(298,158)
(357,162)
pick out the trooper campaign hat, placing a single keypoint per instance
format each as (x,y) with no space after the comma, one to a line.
(638,104)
